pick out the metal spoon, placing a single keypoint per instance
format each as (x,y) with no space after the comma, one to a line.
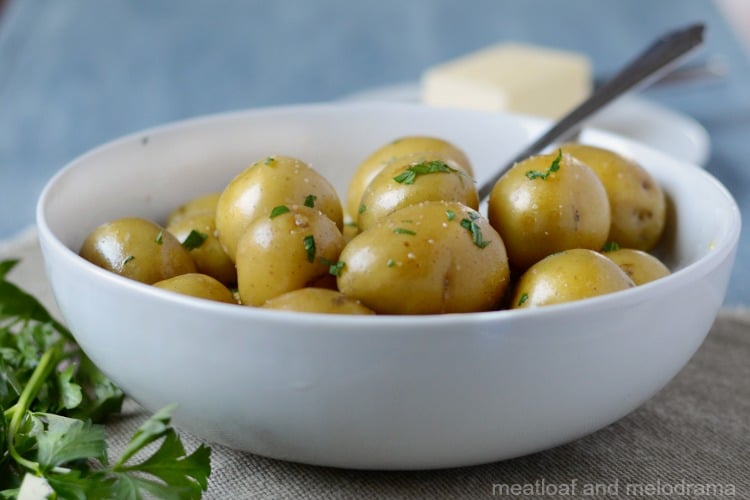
(648,65)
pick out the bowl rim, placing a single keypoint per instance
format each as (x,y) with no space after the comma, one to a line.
(678,278)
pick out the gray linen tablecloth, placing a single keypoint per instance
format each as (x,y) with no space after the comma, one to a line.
(690,441)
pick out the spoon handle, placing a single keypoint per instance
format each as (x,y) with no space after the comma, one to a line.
(645,66)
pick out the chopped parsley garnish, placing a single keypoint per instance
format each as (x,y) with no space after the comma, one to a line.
(401,230)
(524,298)
(476,232)
(409,175)
(554,167)
(194,240)
(309,242)
(278,210)
(128,259)
(159,238)
(362,208)
(270,160)
(451,214)
(390,263)
(310,200)
(334,268)
(610,246)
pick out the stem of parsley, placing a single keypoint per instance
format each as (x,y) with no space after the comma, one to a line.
(47,363)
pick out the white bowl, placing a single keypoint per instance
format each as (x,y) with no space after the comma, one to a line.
(374,392)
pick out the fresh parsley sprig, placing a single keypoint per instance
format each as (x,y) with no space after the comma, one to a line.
(52,398)
(554,167)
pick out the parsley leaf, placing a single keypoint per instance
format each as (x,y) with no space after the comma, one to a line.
(476,232)
(409,175)
(554,167)
(401,230)
(310,200)
(194,240)
(278,210)
(309,243)
(610,246)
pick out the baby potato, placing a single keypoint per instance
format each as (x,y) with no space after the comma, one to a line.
(637,201)
(567,276)
(317,300)
(207,252)
(268,183)
(202,205)
(429,258)
(393,152)
(137,248)
(546,204)
(402,184)
(640,266)
(198,285)
(289,249)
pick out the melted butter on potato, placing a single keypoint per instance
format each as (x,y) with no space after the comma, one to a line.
(637,201)
(413,147)
(429,258)
(546,204)
(288,248)
(267,183)
(317,300)
(568,276)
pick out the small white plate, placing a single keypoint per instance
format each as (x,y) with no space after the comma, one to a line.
(636,118)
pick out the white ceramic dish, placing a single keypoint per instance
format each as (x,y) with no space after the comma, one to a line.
(630,116)
(374,392)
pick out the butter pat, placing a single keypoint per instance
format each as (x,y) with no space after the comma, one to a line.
(513,77)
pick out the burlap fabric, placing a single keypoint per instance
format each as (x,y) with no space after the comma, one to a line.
(690,441)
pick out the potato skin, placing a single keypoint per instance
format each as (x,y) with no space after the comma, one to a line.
(210,257)
(637,201)
(424,259)
(408,146)
(538,216)
(198,285)
(200,205)
(317,300)
(283,253)
(398,185)
(267,183)
(138,249)
(640,266)
(568,276)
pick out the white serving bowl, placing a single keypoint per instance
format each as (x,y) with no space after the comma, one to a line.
(374,392)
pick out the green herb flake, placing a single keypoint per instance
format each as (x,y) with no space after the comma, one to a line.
(401,230)
(309,243)
(390,263)
(523,299)
(362,208)
(409,175)
(270,160)
(128,259)
(610,246)
(476,232)
(310,200)
(194,240)
(278,210)
(335,268)
(451,214)
(159,238)
(554,167)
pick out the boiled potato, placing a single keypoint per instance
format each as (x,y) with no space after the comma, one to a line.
(395,151)
(402,184)
(640,266)
(202,205)
(317,300)
(546,204)
(198,285)
(206,250)
(567,276)
(289,249)
(268,183)
(637,201)
(137,248)
(429,258)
